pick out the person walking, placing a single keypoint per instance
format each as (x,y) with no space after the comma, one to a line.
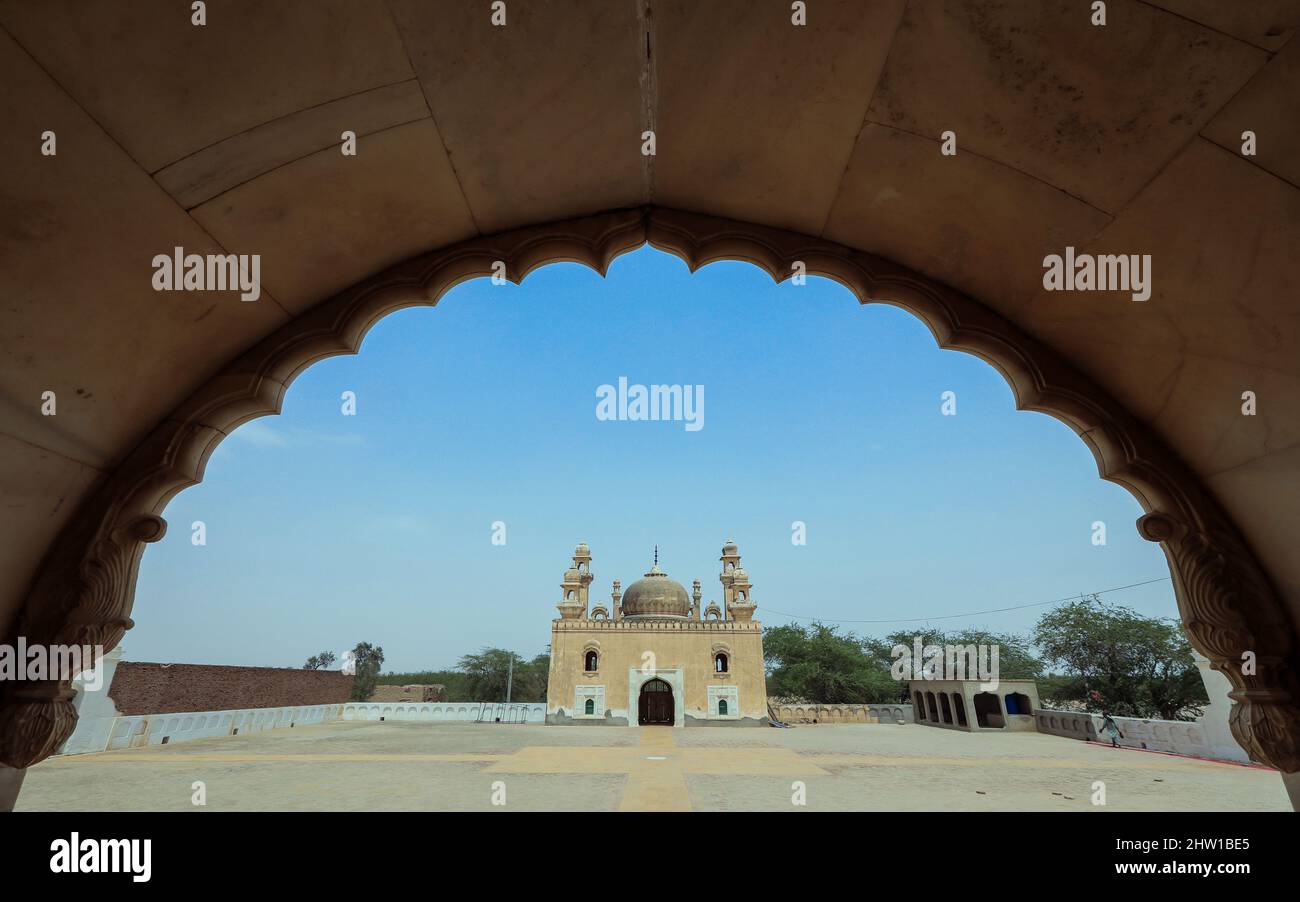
(1108,724)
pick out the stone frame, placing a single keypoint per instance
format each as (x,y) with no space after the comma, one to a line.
(728,692)
(585,691)
(83,591)
(673,676)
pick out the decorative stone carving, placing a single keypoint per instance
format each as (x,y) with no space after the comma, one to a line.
(85,587)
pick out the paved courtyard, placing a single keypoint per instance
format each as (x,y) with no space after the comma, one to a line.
(460,767)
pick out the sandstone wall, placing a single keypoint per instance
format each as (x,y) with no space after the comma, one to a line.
(679,652)
(832,714)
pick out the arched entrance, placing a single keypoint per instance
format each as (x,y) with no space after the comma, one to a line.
(1227,601)
(656,705)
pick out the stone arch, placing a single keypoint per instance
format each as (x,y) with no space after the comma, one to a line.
(589,648)
(959,708)
(1018,703)
(84,589)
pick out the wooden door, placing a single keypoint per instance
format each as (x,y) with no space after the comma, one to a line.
(656,703)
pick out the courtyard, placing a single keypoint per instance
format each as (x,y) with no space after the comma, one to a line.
(396,766)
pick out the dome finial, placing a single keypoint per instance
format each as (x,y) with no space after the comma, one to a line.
(656,555)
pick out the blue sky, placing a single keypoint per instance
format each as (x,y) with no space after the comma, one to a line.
(324,530)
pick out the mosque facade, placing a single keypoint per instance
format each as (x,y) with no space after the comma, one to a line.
(653,656)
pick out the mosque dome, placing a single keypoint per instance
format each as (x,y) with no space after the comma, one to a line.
(655,596)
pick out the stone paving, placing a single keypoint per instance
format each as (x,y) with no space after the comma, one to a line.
(464,767)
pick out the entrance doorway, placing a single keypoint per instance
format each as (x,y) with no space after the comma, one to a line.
(656,704)
(988,711)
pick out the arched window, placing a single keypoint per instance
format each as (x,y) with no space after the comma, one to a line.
(589,706)
(720,662)
(1018,703)
(722,705)
(592,660)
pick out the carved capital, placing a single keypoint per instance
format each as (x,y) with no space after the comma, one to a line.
(35,720)
(81,600)
(1232,616)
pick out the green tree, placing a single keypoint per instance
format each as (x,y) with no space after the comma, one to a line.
(486,674)
(1016,657)
(321,661)
(1140,666)
(479,677)
(367,659)
(817,663)
(452,681)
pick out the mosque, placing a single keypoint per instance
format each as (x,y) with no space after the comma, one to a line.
(653,656)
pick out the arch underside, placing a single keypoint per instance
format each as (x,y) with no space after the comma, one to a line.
(84,590)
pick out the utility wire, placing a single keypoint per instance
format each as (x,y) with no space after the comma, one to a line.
(1019,607)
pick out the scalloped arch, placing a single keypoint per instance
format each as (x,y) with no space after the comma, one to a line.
(84,589)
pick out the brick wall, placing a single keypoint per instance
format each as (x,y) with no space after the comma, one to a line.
(142,688)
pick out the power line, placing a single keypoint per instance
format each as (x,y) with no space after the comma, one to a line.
(1019,607)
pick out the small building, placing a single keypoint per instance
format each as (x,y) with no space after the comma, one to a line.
(413,692)
(964,705)
(655,655)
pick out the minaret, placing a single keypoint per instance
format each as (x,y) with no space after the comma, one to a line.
(582,563)
(573,603)
(570,607)
(741,606)
(696,595)
(730,561)
(616,596)
(735,585)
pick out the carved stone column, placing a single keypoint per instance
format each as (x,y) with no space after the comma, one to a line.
(79,599)
(1232,616)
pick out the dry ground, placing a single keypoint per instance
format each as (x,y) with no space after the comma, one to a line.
(459,767)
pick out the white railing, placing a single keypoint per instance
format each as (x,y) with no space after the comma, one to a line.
(1183,737)
(98,734)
